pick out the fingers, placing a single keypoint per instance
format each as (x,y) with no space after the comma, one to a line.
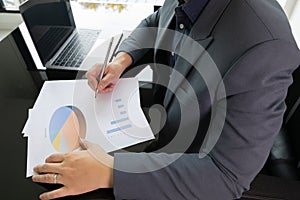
(112,73)
(106,81)
(47,168)
(109,88)
(92,75)
(61,192)
(93,83)
(55,158)
(50,178)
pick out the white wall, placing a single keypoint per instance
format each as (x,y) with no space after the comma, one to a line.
(282,2)
(292,9)
(295,21)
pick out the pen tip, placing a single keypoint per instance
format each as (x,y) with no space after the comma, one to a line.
(96,92)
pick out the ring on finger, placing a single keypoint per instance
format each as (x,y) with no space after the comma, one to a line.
(55,178)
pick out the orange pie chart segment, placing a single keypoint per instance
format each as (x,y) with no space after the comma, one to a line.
(67,125)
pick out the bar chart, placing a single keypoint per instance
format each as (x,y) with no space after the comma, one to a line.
(122,123)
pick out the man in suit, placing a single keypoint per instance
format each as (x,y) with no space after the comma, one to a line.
(222,71)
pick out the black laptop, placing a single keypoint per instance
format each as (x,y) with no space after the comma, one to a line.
(59,43)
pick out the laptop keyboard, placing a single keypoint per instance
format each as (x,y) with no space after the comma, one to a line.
(77,49)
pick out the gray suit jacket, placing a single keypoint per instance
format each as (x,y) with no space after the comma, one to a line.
(224,103)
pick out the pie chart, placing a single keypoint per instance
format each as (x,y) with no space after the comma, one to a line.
(67,126)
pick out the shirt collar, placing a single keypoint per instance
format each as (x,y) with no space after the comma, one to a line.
(193,8)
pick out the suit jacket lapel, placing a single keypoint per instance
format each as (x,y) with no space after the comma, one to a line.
(200,33)
(190,53)
(165,20)
(208,19)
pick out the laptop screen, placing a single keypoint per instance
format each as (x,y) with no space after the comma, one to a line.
(50,23)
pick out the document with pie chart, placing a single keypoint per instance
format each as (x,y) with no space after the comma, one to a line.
(67,112)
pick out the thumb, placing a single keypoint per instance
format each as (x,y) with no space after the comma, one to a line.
(106,81)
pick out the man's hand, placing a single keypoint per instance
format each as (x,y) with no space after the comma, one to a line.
(78,172)
(112,73)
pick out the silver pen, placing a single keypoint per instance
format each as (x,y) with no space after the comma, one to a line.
(116,47)
(104,65)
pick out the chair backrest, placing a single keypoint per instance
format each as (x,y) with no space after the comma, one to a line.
(285,154)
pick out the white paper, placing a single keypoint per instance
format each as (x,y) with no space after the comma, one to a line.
(25,128)
(113,120)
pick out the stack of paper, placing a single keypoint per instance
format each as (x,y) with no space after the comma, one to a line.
(67,112)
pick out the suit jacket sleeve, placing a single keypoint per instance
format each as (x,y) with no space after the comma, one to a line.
(254,115)
(140,38)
